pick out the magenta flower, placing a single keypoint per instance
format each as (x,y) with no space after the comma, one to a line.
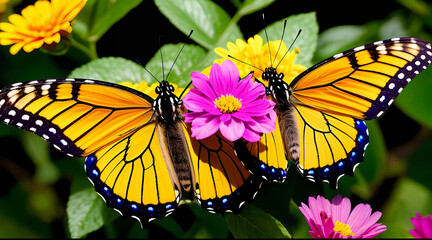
(335,219)
(422,226)
(221,102)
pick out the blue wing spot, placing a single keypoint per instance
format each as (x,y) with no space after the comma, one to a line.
(311,172)
(224,201)
(263,166)
(168,206)
(326,170)
(340,164)
(134,207)
(150,209)
(209,203)
(95,172)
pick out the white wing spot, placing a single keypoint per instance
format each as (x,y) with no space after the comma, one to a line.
(25,117)
(52,130)
(39,122)
(391,85)
(12,112)
(382,98)
(401,75)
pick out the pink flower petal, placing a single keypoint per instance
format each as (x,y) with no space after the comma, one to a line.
(232,130)
(206,130)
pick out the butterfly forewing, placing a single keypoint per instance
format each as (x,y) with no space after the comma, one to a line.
(362,82)
(77,116)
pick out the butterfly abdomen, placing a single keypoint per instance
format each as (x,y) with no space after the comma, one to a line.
(179,153)
(289,130)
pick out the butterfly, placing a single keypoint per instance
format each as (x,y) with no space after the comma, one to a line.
(321,113)
(140,156)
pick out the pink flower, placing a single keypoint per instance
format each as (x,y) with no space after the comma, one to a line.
(422,226)
(335,219)
(237,108)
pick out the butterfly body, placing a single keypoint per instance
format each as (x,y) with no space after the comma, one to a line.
(280,92)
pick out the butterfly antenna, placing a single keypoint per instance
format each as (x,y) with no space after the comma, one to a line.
(136,60)
(245,63)
(181,95)
(280,43)
(175,60)
(295,39)
(268,43)
(162,62)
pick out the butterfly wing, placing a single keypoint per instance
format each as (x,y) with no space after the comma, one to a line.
(77,116)
(333,97)
(331,145)
(364,81)
(265,157)
(114,126)
(222,183)
(135,176)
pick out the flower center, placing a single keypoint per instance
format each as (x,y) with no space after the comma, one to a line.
(228,103)
(343,229)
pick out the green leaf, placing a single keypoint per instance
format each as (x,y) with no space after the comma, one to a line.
(85,212)
(188,61)
(251,6)
(99,15)
(307,40)
(415,100)
(407,198)
(252,222)
(212,26)
(112,69)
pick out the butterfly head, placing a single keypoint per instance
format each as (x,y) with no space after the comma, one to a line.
(167,103)
(277,88)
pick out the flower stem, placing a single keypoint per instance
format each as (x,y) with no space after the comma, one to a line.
(89,50)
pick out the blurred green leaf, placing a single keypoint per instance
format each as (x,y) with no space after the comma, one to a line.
(307,40)
(15,220)
(253,222)
(85,212)
(112,69)
(99,15)
(38,150)
(407,198)
(212,26)
(415,100)
(251,6)
(187,62)
(338,39)
(37,65)
(419,166)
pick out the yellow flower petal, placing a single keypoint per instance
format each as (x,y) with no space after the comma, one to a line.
(260,56)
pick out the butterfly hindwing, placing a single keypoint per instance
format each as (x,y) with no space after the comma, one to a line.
(331,145)
(362,82)
(265,157)
(222,183)
(132,176)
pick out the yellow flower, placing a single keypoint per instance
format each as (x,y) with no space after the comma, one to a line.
(42,23)
(151,90)
(256,54)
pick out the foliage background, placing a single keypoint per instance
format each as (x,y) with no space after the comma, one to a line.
(45,194)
